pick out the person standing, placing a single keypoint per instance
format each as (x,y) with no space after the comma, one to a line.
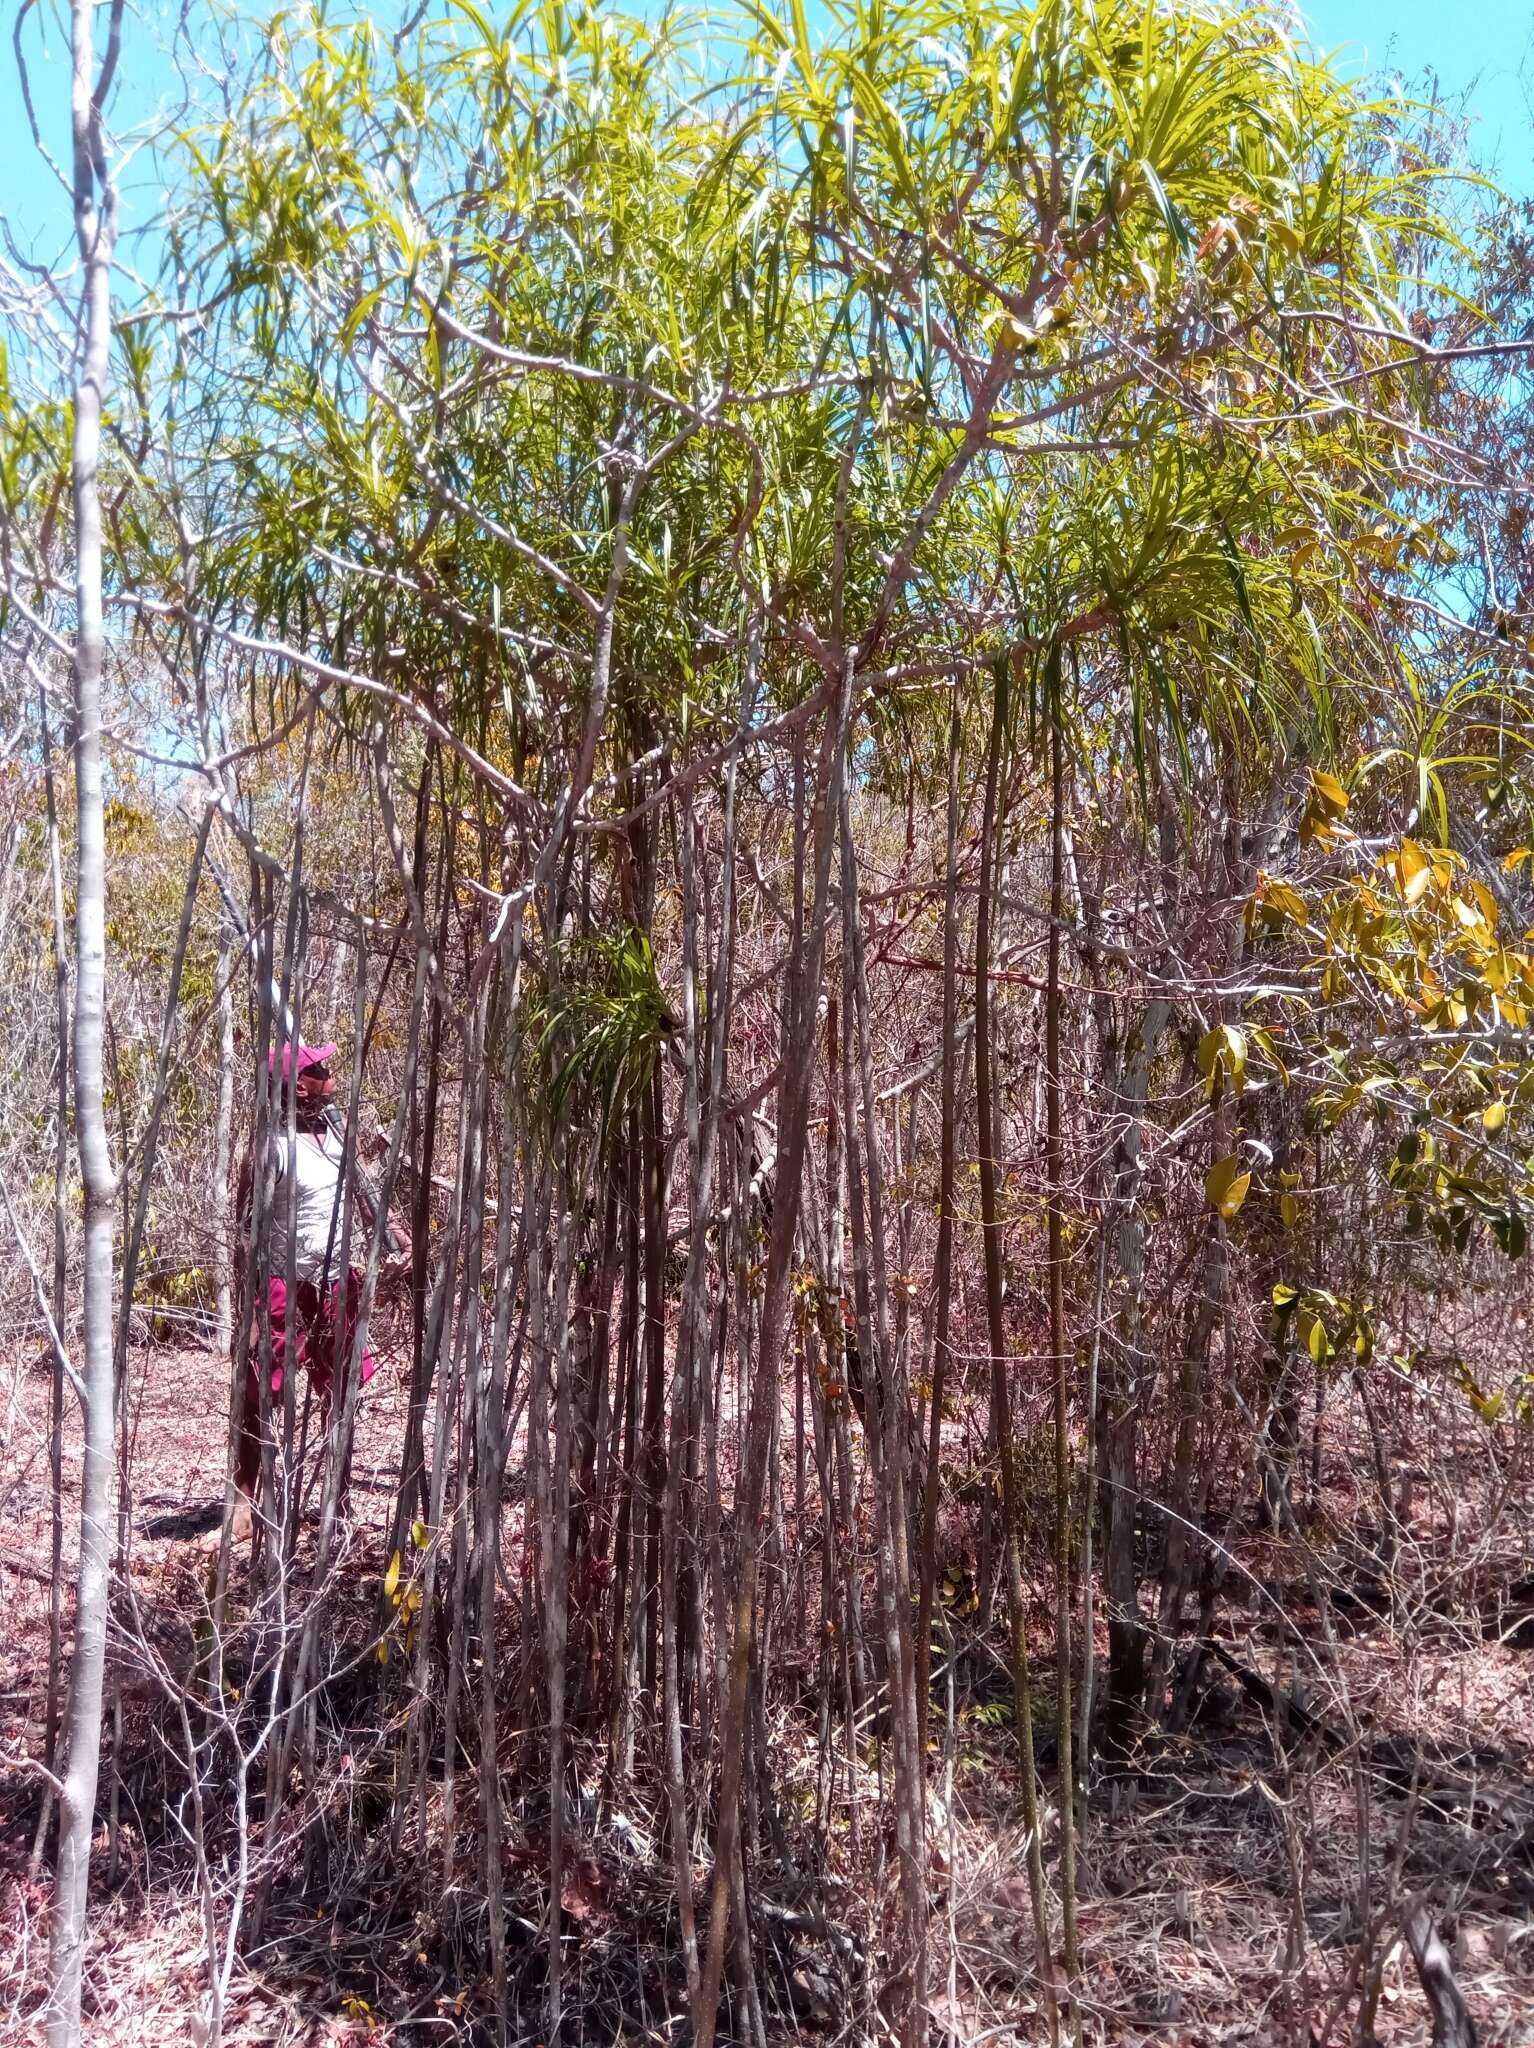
(304,1239)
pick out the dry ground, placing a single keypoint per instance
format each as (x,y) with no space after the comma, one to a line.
(1221,1893)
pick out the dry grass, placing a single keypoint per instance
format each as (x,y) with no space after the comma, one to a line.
(1221,1869)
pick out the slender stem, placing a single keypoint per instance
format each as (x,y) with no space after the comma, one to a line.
(943,1258)
(60,1278)
(96,233)
(1060,1350)
(793,1132)
(1001,1403)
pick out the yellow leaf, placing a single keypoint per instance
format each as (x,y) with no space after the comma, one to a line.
(1227,1184)
(391,1576)
(1414,872)
(420,1535)
(1222,1056)
(1281,899)
(382,1653)
(1288,1209)
(1515,859)
(1286,237)
(1265,1044)
(1485,902)
(1493,1116)
(1487,1406)
(1328,792)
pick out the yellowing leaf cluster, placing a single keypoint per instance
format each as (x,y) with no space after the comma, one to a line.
(1222,1059)
(1326,806)
(1227,1184)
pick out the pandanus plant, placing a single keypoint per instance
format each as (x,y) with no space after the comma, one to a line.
(638,411)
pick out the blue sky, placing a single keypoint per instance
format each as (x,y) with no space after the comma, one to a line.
(1481,50)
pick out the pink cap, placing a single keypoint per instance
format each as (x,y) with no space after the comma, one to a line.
(297,1058)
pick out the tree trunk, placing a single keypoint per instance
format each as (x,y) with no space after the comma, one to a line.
(60,1312)
(222,1144)
(1054,1167)
(943,1259)
(1001,1401)
(95,229)
(1122,1395)
(889,1440)
(793,1128)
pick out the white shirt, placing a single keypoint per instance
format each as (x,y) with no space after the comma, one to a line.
(316,1161)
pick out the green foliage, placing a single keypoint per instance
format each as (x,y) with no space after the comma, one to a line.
(174,1294)
(963,325)
(1323,1325)
(598,1033)
(590,380)
(1411,951)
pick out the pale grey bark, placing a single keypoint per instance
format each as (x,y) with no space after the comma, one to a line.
(95,204)
(223,1128)
(60,1310)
